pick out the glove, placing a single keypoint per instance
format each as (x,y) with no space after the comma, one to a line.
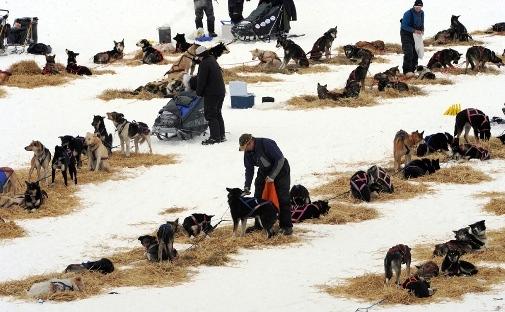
(246,191)
(269,180)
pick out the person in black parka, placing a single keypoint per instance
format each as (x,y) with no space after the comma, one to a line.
(412,22)
(272,167)
(235,8)
(210,86)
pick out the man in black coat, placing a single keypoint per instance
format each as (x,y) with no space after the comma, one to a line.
(210,86)
(235,8)
(272,167)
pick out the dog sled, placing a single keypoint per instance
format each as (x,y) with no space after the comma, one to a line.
(21,34)
(268,21)
(181,117)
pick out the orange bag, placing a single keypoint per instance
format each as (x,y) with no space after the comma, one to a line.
(269,193)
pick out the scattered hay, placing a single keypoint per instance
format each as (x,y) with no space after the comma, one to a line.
(290,69)
(423,82)
(370,288)
(28,75)
(338,186)
(172,210)
(10,230)
(125,94)
(63,200)
(461,71)
(341,59)
(433,42)
(231,75)
(496,204)
(390,93)
(133,270)
(102,71)
(25,68)
(496,148)
(2,93)
(456,174)
(488,32)
(393,48)
(312,101)
(343,213)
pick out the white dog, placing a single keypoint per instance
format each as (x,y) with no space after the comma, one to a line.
(54,285)
(98,155)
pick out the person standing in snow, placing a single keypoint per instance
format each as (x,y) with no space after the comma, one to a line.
(210,85)
(272,167)
(412,22)
(235,8)
(202,6)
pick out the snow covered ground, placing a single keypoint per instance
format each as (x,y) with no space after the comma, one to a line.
(115,213)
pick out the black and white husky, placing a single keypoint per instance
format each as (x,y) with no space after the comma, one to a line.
(138,131)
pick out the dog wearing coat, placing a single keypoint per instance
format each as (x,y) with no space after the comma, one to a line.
(395,257)
(475,119)
(138,131)
(54,285)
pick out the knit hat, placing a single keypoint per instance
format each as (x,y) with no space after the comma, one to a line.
(200,50)
(418,3)
(243,140)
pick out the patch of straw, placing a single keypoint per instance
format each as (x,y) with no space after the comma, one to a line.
(370,288)
(125,94)
(10,229)
(432,42)
(496,148)
(290,69)
(489,32)
(63,200)
(102,71)
(488,70)
(133,270)
(28,75)
(496,204)
(460,174)
(312,102)
(231,75)
(2,93)
(343,213)
(172,210)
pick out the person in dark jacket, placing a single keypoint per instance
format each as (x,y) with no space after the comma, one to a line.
(202,6)
(273,167)
(210,86)
(235,8)
(412,22)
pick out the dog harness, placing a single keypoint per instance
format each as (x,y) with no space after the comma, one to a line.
(401,249)
(253,204)
(297,211)
(43,157)
(62,286)
(484,154)
(121,126)
(410,280)
(200,225)
(472,112)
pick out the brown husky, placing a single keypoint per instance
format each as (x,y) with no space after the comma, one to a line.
(266,58)
(403,144)
(41,160)
(185,62)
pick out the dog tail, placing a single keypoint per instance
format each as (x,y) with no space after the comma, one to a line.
(388,271)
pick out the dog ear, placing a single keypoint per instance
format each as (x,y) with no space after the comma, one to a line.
(27,183)
(228,189)
(210,217)
(418,267)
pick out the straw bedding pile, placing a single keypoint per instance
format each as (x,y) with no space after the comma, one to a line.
(370,287)
(10,229)
(132,269)
(125,94)
(63,200)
